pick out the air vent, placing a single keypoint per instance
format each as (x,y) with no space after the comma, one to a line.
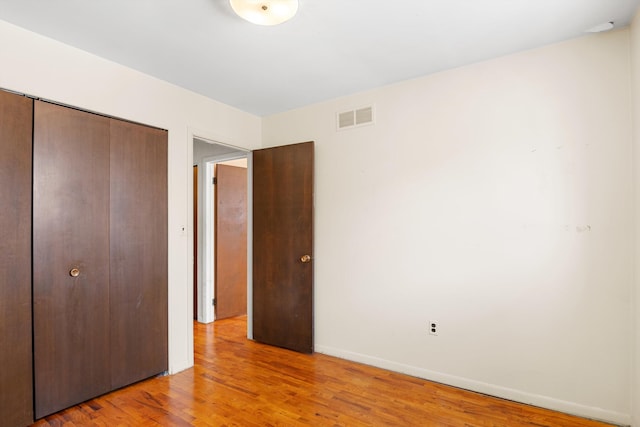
(355,118)
(346,119)
(364,115)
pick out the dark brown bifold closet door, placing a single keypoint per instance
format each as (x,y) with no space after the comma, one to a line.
(16,398)
(138,252)
(70,257)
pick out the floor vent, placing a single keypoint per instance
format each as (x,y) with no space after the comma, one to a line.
(354,118)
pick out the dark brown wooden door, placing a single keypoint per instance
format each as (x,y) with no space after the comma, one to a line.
(230,241)
(138,252)
(282,246)
(16,383)
(70,231)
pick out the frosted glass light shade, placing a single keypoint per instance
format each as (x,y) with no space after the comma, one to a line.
(265,12)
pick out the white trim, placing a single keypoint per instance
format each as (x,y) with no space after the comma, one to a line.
(206,246)
(482,387)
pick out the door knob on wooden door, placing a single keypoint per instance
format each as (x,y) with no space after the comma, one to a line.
(74,272)
(305,258)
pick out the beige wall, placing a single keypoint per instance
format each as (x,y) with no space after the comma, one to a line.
(44,68)
(635,81)
(496,199)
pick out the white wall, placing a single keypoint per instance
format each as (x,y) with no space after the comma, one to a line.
(497,199)
(44,68)
(635,72)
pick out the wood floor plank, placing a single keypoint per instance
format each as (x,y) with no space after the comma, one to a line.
(237,382)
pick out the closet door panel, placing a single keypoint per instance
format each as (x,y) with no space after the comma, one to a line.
(138,252)
(70,231)
(16,397)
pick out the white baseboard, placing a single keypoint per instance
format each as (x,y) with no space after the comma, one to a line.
(485,388)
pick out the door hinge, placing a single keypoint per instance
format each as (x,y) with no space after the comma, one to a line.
(213,302)
(214,180)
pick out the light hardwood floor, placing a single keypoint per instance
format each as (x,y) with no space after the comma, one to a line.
(237,382)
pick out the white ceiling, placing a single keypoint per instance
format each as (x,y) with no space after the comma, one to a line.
(330,49)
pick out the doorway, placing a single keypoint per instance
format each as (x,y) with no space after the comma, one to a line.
(230,239)
(206,155)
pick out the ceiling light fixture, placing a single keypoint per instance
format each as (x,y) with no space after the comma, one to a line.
(265,12)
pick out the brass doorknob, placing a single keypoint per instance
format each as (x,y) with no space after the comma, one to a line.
(74,272)
(305,258)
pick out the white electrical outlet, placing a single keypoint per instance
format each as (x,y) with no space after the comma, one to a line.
(433,327)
